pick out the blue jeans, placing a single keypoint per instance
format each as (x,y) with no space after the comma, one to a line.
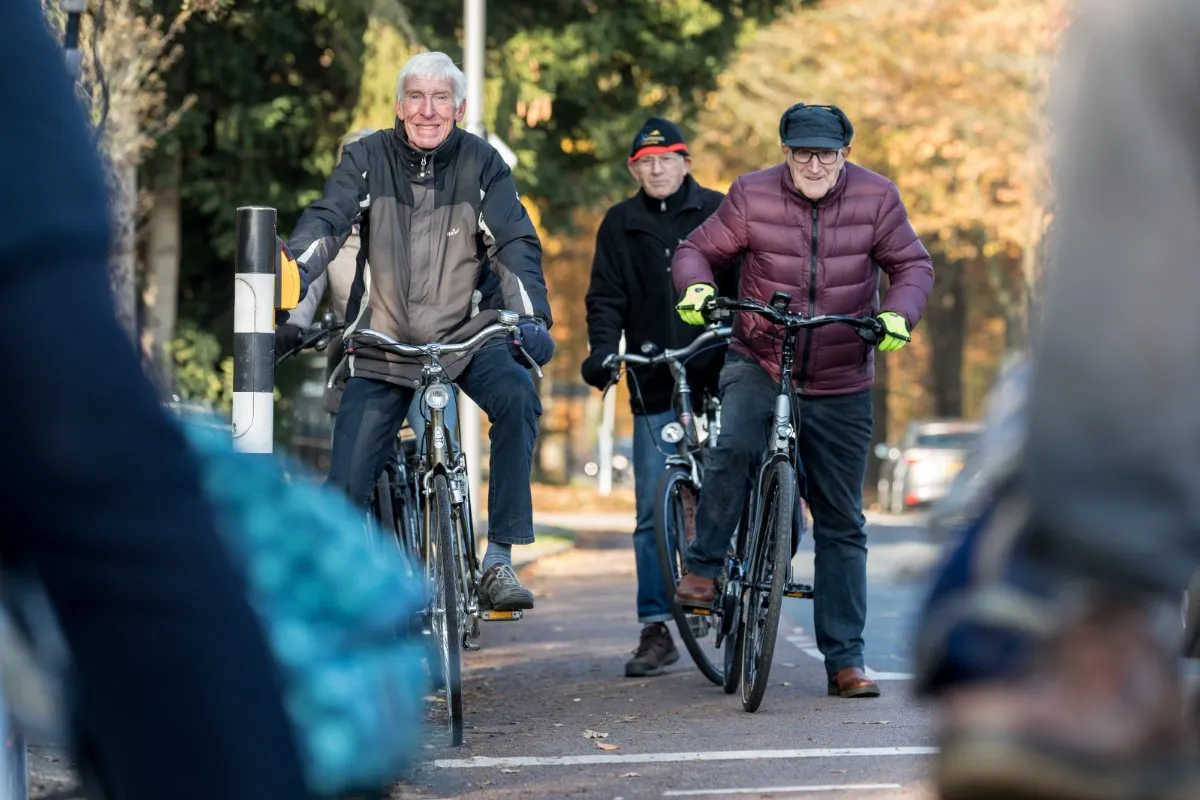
(372,411)
(835,437)
(649,462)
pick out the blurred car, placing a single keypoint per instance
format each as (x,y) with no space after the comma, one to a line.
(622,462)
(918,470)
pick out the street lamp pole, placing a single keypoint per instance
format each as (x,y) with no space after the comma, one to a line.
(474,47)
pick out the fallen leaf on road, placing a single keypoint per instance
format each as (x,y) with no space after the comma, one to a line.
(628,719)
(511,771)
(558,724)
(591,734)
(838,771)
(878,722)
(606,746)
(787,683)
(485,783)
(631,775)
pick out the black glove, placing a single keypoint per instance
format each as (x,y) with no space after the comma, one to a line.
(536,341)
(286,338)
(593,370)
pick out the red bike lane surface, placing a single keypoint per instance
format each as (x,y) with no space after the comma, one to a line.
(549,713)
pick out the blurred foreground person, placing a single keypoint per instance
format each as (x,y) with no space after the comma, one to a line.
(1039,640)
(174,690)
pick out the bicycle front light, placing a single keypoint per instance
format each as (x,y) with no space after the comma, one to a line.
(672,433)
(437,396)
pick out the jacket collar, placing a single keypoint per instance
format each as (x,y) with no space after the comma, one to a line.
(442,154)
(686,198)
(832,194)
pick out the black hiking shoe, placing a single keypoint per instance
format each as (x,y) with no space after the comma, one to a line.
(655,651)
(501,591)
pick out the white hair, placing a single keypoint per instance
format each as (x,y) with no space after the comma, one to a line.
(433,66)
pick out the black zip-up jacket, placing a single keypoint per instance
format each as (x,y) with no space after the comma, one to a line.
(631,289)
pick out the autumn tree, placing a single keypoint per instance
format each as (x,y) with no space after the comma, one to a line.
(125,50)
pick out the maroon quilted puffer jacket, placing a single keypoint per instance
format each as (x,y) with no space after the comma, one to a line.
(827,255)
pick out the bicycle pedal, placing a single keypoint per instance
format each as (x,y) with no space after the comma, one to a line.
(471,646)
(800,590)
(490,615)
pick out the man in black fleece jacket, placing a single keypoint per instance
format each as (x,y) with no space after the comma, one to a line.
(631,292)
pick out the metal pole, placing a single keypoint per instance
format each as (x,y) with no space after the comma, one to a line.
(607,423)
(470,415)
(254,330)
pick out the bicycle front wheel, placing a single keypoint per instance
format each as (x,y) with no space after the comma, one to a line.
(674,528)
(766,573)
(446,607)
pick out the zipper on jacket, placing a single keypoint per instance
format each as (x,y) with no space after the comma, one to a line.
(812,299)
(424,159)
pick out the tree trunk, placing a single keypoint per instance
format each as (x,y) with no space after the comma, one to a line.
(879,412)
(160,297)
(879,409)
(122,260)
(945,322)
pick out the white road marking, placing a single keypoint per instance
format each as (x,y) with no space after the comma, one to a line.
(859,787)
(809,648)
(476,762)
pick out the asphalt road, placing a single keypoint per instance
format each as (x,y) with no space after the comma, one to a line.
(551,715)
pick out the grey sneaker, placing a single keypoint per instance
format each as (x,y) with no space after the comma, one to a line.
(501,591)
(655,651)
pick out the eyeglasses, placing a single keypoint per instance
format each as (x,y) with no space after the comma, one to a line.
(802,155)
(648,163)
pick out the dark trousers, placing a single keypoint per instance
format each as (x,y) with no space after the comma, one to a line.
(372,411)
(835,437)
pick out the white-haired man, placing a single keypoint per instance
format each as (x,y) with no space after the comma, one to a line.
(437,209)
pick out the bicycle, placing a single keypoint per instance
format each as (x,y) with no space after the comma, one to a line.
(756,576)
(394,503)
(445,545)
(678,488)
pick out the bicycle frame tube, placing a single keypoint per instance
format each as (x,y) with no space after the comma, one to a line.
(781,422)
(683,400)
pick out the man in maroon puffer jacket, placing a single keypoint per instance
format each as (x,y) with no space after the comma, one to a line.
(821,229)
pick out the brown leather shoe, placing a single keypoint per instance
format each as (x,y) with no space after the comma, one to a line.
(852,682)
(695,590)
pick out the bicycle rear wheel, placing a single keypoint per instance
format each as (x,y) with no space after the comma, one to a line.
(766,573)
(674,528)
(446,606)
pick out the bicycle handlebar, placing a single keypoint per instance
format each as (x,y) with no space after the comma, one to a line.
(869,328)
(372,338)
(311,337)
(679,354)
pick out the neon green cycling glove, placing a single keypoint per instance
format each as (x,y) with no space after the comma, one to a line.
(897,327)
(690,305)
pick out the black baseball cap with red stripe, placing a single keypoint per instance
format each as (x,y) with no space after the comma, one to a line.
(659,135)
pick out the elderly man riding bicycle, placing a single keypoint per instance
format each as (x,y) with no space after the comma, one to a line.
(819,228)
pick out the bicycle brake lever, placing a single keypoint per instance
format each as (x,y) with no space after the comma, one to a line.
(532,364)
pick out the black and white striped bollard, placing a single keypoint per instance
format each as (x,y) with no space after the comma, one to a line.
(254,304)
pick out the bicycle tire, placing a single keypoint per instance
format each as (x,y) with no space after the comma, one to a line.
(382,506)
(770,548)
(670,542)
(408,517)
(446,587)
(734,643)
